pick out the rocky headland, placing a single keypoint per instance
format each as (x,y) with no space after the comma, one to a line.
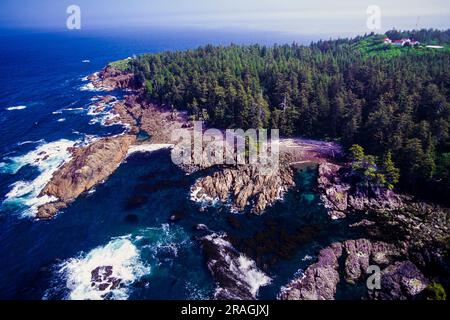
(247,187)
(92,164)
(110,79)
(88,166)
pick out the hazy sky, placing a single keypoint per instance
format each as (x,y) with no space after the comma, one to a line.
(298,16)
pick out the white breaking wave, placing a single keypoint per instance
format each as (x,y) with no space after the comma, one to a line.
(16,108)
(67,110)
(46,158)
(148,148)
(30,142)
(237,266)
(104,272)
(72,109)
(90,87)
(109,271)
(307,258)
(204,200)
(61,120)
(252,275)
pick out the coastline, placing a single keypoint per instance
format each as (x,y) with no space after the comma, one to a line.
(94,163)
(388,210)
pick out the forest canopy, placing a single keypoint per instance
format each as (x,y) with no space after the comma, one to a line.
(396,106)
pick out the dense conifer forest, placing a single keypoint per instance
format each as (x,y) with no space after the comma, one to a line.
(394,102)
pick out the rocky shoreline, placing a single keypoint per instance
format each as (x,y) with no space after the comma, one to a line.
(88,166)
(92,164)
(411,255)
(418,231)
(243,187)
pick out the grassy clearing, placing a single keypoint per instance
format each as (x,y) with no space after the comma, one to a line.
(373,46)
(121,65)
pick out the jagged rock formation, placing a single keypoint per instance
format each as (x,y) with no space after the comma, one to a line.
(361,253)
(399,279)
(89,166)
(110,79)
(140,115)
(319,280)
(245,185)
(102,278)
(340,197)
(236,276)
(100,105)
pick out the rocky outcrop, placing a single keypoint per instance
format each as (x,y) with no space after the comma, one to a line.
(102,279)
(340,196)
(236,276)
(89,166)
(96,162)
(399,280)
(110,79)
(319,281)
(138,114)
(244,186)
(361,253)
(421,222)
(100,105)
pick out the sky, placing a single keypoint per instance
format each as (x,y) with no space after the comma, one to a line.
(342,17)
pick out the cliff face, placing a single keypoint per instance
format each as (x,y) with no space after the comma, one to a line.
(88,166)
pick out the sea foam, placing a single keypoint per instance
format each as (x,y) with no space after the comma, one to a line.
(251,274)
(109,271)
(90,87)
(47,157)
(105,272)
(16,108)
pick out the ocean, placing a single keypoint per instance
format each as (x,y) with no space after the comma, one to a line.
(124,223)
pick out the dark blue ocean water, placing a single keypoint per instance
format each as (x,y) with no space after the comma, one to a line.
(124,222)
